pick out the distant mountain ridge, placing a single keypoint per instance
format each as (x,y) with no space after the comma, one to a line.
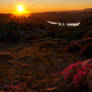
(88,9)
(69,16)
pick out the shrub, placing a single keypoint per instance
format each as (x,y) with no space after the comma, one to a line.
(86,51)
(73,48)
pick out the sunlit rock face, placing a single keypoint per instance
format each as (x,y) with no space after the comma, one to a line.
(73,24)
(64,24)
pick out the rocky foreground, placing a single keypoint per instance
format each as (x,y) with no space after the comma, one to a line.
(37,66)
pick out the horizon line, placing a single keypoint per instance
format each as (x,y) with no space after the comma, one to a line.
(52,11)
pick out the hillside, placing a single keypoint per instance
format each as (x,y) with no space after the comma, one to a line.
(36,56)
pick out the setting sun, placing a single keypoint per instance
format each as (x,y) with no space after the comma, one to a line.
(21,9)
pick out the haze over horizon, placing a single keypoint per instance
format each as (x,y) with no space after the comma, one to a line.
(8,6)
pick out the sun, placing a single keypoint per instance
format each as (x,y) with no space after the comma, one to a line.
(20,9)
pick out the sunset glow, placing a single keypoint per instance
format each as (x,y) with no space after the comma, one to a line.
(8,6)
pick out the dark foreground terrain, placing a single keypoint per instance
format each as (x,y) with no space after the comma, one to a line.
(33,54)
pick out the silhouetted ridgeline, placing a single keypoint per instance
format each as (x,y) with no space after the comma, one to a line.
(69,16)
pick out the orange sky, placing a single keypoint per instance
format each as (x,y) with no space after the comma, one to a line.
(9,6)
